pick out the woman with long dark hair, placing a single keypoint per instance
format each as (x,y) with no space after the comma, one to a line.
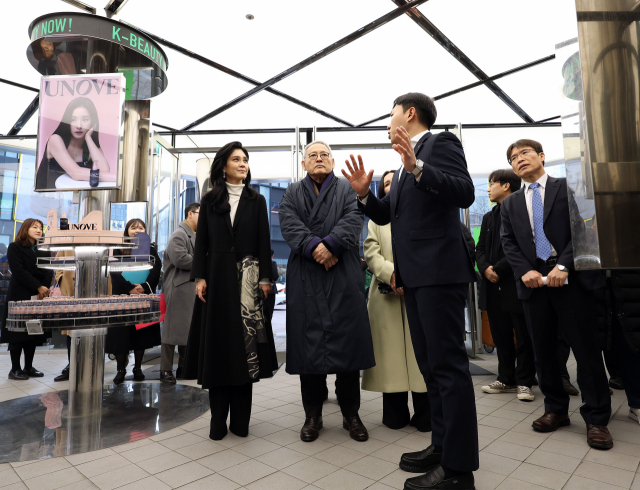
(121,340)
(230,342)
(74,148)
(396,370)
(27,280)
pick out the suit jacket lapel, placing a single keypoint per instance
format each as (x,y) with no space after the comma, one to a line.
(550,194)
(399,181)
(521,209)
(244,197)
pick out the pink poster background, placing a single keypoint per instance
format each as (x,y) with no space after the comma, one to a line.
(108,106)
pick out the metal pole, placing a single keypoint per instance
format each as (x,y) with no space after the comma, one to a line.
(297,172)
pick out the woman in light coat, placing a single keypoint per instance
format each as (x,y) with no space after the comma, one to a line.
(396,371)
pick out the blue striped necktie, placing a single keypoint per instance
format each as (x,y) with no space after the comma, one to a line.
(543,247)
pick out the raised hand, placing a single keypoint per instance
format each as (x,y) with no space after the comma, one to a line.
(88,134)
(405,149)
(357,177)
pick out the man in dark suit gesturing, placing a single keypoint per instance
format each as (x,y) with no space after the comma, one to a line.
(433,269)
(536,238)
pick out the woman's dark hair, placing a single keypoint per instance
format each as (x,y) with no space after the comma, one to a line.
(130,223)
(218,196)
(381,192)
(64,128)
(22,237)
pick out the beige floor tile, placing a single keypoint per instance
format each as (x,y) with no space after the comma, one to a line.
(77,459)
(310,470)
(168,435)
(553,461)
(310,448)
(196,424)
(498,422)
(9,477)
(636,482)
(40,468)
(223,460)
(339,456)
(232,440)
(124,475)
(183,474)
(212,482)
(391,453)
(201,449)
(531,440)
(256,447)
(149,483)
(541,476)
(132,445)
(605,474)
(367,447)
(264,429)
(102,465)
(163,462)
(415,442)
(497,464)
(509,450)
(514,484)
(281,458)
(181,441)
(565,448)
(625,448)
(506,414)
(344,480)
(284,437)
(386,435)
(247,472)
(371,467)
(338,435)
(81,485)
(148,451)
(616,460)
(277,481)
(397,478)
(486,480)
(580,483)
(491,432)
(57,479)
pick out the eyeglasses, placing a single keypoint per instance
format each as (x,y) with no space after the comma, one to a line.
(314,156)
(526,151)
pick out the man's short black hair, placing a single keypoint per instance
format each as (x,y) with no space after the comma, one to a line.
(506,176)
(423,104)
(191,208)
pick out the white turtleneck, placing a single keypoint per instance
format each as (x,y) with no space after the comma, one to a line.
(235,191)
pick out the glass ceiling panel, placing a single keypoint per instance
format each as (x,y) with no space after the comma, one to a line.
(476,106)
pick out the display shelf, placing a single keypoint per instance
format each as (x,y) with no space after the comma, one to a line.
(87,322)
(116,263)
(68,240)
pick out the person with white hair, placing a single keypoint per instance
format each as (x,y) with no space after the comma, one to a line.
(328,328)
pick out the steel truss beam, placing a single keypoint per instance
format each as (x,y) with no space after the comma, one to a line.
(476,84)
(26,115)
(238,75)
(81,6)
(312,59)
(457,53)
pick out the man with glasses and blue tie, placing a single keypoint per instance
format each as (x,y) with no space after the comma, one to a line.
(536,238)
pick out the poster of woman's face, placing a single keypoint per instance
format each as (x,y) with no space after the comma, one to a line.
(79,132)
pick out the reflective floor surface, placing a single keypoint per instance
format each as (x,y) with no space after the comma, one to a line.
(37,426)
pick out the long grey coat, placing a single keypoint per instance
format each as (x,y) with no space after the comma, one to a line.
(179,291)
(327,322)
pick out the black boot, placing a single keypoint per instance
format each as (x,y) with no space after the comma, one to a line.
(137,374)
(421,461)
(120,376)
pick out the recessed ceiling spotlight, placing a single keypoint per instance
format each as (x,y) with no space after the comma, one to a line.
(250,16)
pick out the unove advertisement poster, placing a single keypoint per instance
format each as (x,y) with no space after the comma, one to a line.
(80,132)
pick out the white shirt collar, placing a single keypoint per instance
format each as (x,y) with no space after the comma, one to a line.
(416,138)
(542,181)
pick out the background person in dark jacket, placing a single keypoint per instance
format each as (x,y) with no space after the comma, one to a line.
(26,280)
(270,302)
(120,340)
(498,296)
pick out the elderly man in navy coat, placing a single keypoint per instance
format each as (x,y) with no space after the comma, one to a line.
(433,269)
(328,328)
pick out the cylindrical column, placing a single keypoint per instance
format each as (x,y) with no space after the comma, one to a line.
(86,374)
(91,277)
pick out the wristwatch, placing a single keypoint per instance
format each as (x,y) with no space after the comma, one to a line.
(418,170)
(561,267)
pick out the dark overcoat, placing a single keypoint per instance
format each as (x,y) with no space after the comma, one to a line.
(216,353)
(327,322)
(26,278)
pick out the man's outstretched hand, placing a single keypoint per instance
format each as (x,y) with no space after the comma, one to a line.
(359,180)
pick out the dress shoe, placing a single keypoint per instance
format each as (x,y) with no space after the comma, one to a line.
(33,373)
(119,376)
(310,429)
(66,369)
(634,414)
(569,388)
(137,374)
(436,479)
(167,378)
(421,461)
(18,375)
(357,430)
(62,377)
(550,422)
(616,383)
(598,437)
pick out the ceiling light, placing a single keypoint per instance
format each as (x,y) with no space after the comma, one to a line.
(250,16)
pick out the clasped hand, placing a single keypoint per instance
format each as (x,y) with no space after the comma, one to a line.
(323,256)
(490,274)
(555,278)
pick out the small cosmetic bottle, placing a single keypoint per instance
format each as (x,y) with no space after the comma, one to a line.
(94,314)
(64,222)
(94,175)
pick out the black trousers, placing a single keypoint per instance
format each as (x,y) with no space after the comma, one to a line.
(436,323)
(571,309)
(396,415)
(268,306)
(515,367)
(234,399)
(314,390)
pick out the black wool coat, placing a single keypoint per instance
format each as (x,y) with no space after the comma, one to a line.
(328,327)
(216,353)
(26,278)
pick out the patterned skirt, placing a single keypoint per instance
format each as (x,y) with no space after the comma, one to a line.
(251,300)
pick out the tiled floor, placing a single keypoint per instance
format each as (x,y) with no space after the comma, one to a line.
(273,457)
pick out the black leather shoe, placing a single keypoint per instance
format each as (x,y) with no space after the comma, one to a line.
(421,461)
(66,370)
(18,375)
(119,376)
(435,479)
(62,377)
(33,373)
(311,429)
(137,374)
(616,383)
(357,430)
(167,378)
